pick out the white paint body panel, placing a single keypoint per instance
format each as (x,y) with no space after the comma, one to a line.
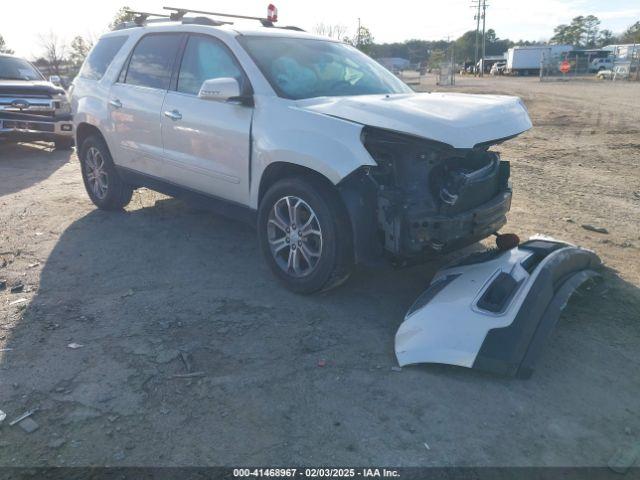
(210,150)
(451,327)
(207,150)
(457,119)
(136,136)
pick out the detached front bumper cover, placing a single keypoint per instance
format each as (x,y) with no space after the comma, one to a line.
(493,311)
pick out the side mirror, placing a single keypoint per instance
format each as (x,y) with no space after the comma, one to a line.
(55,79)
(220,89)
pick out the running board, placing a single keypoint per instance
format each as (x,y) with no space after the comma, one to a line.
(493,311)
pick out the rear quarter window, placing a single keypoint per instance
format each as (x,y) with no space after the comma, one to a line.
(152,60)
(101,57)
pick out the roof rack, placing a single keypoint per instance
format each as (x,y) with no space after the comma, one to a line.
(142,18)
(179,13)
(272,17)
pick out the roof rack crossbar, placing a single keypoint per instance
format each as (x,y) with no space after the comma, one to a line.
(141,17)
(181,12)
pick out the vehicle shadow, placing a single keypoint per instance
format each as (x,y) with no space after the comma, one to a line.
(25,164)
(159,337)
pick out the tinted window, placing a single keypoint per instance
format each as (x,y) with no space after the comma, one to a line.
(204,59)
(101,57)
(12,68)
(152,61)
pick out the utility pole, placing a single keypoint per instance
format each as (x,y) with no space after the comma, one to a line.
(635,53)
(453,59)
(358,37)
(484,14)
(476,17)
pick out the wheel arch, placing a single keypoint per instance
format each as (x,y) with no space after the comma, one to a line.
(356,197)
(84,130)
(279,170)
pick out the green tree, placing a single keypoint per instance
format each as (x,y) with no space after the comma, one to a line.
(362,40)
(632,34)
(122,15)
(437,58)
(606,37)
(562,35)
(591,25)
(581,32)
(79,49)
(465,47)
(3,46)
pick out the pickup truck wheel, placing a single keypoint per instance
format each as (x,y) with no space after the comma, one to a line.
(304,236)
(101,180)
(64,144)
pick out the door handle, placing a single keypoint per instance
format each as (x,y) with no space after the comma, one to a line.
(115,103)
(173,115)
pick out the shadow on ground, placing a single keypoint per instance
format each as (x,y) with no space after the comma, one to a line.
(160,292)
(26,164)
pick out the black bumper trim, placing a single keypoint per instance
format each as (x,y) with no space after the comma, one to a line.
(513,350)
(32,136)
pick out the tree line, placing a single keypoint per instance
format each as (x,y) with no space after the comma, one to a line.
(582,32)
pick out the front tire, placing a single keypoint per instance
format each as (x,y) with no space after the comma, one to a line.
(101,180)
(304,235)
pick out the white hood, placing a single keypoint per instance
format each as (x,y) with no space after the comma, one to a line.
(457,119)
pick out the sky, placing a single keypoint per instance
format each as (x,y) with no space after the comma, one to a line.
(389,21)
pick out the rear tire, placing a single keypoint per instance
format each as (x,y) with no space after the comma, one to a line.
(101,180)
(317,253)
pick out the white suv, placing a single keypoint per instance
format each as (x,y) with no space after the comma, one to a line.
(332,157)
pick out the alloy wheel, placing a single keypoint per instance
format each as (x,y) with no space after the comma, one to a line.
(295,236)
(96,173)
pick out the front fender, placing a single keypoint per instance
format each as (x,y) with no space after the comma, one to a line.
(282,132)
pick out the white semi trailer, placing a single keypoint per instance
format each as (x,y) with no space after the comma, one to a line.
(526,60)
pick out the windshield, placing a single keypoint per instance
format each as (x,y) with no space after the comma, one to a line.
(12,68)
(306,68)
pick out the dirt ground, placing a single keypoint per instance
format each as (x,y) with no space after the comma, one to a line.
(140,288)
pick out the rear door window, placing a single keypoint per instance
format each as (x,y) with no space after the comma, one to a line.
(101,57)
(152,61)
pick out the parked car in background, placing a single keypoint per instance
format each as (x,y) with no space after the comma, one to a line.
(498,68)
(599,64)
(334,159)
(618,72)
(605,75)
(32,108)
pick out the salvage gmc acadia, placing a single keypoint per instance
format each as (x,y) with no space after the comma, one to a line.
(334,159)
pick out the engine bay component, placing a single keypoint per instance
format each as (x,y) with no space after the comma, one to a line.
(432,197)
(494,310)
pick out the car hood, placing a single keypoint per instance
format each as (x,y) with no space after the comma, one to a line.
(29,87)
(457,119)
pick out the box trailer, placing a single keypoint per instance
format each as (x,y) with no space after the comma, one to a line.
(527,60)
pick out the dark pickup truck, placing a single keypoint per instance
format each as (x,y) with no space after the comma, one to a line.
(32,108)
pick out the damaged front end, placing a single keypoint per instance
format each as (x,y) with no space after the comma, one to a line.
(429,197)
